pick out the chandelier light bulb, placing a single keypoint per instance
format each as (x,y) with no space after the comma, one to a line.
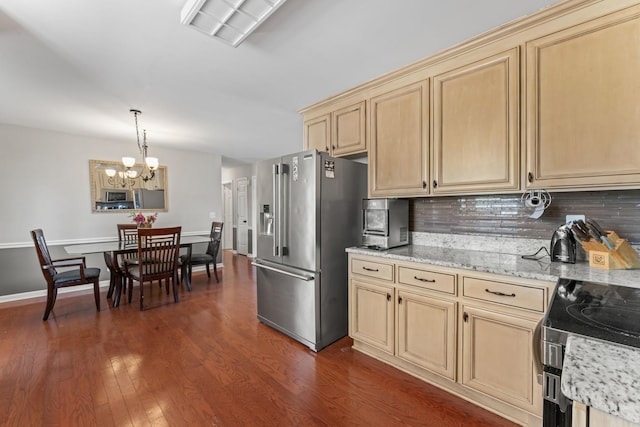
(152,163)
(129,161)
(110,172)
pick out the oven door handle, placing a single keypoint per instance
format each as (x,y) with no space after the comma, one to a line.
(536,348)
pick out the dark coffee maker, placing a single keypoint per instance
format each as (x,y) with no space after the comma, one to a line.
(563,245)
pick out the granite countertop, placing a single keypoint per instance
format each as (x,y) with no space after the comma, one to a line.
(603,375)
(503,263)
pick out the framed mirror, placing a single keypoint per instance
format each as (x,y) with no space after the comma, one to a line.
(115,190)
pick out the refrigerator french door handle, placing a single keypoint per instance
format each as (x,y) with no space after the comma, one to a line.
(274,186)
(284,208)
(286,273)
(280,219)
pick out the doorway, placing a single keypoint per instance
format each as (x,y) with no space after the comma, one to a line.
(227,233)
(242,185)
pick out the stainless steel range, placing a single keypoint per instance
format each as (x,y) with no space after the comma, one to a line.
(589,309)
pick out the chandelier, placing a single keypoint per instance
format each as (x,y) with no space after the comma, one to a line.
(129,174)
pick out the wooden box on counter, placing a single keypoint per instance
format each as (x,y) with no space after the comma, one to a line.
(623,256)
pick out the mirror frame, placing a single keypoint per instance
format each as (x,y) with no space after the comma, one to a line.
(97,166)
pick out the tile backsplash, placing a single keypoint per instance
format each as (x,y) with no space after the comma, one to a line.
(505,216)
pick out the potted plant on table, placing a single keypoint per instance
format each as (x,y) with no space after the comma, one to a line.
(144,221)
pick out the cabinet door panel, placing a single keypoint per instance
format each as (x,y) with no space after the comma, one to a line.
(426,332)
(497,357)
(583,101)
(399,141)
(317,133)
(475,132)
(372,314)
(349,130)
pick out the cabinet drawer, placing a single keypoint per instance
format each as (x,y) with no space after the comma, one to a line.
(504,293)
(372,269)
(427,279)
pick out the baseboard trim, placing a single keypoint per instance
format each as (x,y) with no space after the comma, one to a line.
(43,292)
(104,284)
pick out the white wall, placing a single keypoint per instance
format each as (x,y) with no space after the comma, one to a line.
(44,182)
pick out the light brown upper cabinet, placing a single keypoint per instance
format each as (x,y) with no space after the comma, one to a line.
(317,133)
(348,130)
(340,130)
(583,105)
(399,142)
(476,126)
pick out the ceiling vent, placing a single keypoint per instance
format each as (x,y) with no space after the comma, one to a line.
(228,20)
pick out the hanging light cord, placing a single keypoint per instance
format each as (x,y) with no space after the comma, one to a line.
(135,115)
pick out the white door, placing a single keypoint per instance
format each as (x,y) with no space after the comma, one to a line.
(254,216)
(227,230)
(243,224)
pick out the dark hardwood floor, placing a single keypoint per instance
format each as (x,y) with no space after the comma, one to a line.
(205,361)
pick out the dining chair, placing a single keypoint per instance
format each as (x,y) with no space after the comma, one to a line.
(127,233)
(76,272)
(158,248)
(209,257)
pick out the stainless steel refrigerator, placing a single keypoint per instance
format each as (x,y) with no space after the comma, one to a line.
(148,199)
(310,210)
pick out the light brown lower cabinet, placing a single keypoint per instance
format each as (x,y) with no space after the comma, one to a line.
(586,416)
(426,332)
(469,333)
(372,312)
(497,357)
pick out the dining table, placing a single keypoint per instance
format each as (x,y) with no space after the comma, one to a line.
(116,248)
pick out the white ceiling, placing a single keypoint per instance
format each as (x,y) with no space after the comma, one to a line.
(78,66)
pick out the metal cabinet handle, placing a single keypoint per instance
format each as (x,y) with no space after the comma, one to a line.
(424,280)
(424,185)
(399,300)
(388,297)
(435,184)
(370,269)
(501,294)
(530,177)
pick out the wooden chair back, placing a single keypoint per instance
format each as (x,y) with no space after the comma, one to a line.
(128,233)
(159,247)
(44,257)
(214,239)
